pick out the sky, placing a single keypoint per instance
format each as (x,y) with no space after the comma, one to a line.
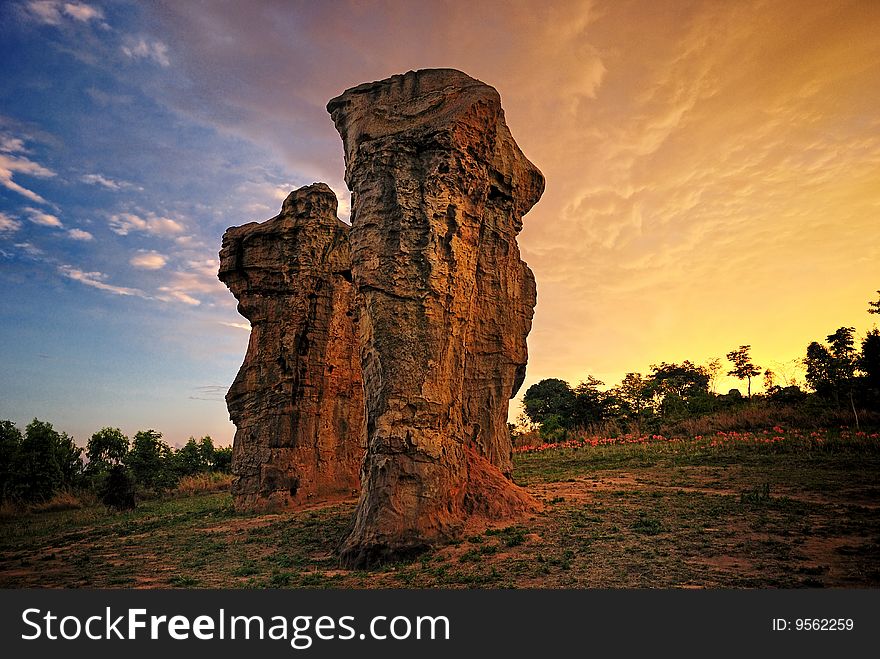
(713,179)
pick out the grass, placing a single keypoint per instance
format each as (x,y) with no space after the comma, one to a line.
(726,511)
(205,482)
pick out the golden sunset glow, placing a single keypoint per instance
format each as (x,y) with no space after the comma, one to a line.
(713,179)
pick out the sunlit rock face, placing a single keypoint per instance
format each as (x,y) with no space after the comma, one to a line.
(297,401)
(439,189)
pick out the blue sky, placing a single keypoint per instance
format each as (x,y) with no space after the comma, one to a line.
(113,202)
(711,176)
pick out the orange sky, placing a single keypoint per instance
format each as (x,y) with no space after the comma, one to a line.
(713,179)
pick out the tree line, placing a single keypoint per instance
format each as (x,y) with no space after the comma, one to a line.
(841,375)
(41,461)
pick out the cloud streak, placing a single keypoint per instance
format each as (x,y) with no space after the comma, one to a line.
(54,12)
(11,165)
(150,223)
(105,182)
(8,224)
(44,219)
(98,280)
(143,48)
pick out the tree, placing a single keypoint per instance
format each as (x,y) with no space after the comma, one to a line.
(223,459)
(844,363)
(869,361)
(678,388)
(874,307)
(70,460)
(831,370)
(683,380)
(820,371)
(549,398)
(207,452)
(150,460)
(591,405)
(189,460)
(117,488)
(634,395)
(106,448)
(10,445)
(769,380)
(47,461)
(743,368)
(712,369)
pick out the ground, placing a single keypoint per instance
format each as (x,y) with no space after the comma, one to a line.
(761,510)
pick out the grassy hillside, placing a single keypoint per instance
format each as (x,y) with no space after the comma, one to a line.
(770,509)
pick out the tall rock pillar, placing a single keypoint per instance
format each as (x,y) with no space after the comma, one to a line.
(439,188)
(297,401)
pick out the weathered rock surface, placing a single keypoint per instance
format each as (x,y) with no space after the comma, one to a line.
(439,190)
(297,401)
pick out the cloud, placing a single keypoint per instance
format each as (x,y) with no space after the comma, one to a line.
(79,234)
(44,219)
(242,326)
(11,164)
(8,224)
(11,144)
(97,280)
(45,11)
(125,223)
(82,12)
(30,249)
(52,12)
(200,279)
(210,392)
(105,182)
(170,294)
(148,260)
(147,49)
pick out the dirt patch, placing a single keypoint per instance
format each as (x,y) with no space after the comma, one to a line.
(674,526)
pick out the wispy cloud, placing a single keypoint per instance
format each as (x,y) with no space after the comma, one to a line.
(31,250)
(148,260)
(8,224)
(79,234)
(82,12)
(53,12)
(105,182)
(45,11)
(44,219)
(210,392)
(199,279)
(17,164)
(150,223)
(11,144)
(242,326)
(142,48)
(98,280)
(171,294)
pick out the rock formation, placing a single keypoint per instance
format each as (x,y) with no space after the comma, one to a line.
(439,188)
(297,401)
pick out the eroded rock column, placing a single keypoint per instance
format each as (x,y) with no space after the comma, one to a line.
(439,190)
(297,401)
